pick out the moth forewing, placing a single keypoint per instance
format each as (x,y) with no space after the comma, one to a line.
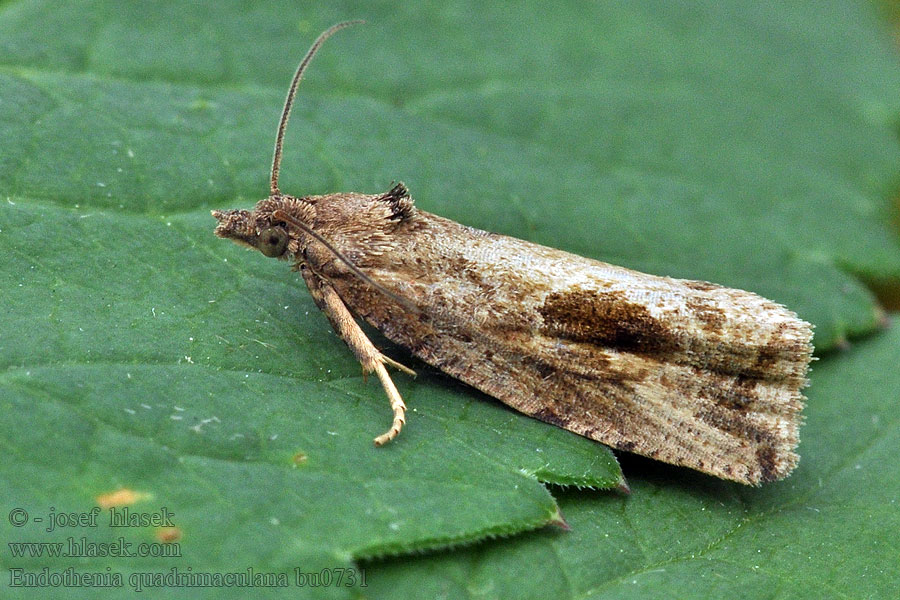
(683,371)
(687,372)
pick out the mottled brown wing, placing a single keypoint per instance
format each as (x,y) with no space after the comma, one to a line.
(686,372)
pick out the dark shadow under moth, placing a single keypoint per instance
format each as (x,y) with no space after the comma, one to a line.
(686,372)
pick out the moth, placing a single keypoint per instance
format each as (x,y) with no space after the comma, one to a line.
(686,372)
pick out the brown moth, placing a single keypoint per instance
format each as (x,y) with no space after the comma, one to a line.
(686,372)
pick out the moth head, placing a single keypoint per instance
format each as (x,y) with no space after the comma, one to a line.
(261,230)
(266,227)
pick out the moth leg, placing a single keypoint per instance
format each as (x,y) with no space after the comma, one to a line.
(371,359)
(399,366)
(397,406)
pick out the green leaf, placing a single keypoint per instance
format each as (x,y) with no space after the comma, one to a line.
(829,531)
(755,147)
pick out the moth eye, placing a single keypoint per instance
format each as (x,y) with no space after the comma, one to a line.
(272,241)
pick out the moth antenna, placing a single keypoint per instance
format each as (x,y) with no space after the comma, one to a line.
(280,215)
(292,91)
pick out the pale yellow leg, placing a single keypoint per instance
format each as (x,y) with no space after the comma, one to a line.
(368,355)
(400,367)
(396,405)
